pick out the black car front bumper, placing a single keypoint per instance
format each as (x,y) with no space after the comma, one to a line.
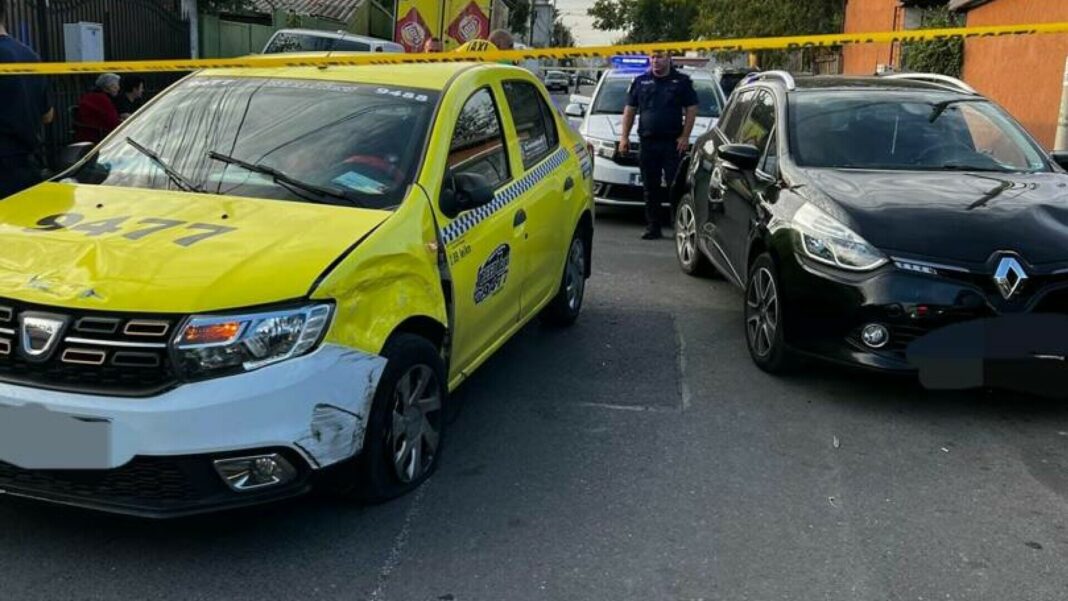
(150,487)
(950,326)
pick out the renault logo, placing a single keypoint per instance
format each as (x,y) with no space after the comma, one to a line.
(1009,277)
(39,334)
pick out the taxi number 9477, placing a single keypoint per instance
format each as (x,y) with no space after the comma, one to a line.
(142,228)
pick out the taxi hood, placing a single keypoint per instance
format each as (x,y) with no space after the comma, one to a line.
(125,249)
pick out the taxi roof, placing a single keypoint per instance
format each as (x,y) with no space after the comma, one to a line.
(426,76)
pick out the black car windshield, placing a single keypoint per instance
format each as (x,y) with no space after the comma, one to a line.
(288,139)
(907,131)
(612,97)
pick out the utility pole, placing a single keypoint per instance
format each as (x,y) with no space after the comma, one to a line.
(1062,119)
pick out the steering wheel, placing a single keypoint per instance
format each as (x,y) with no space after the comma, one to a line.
(939,148)
(377,163)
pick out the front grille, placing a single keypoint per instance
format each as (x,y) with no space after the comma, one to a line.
(144,479)
(101,353)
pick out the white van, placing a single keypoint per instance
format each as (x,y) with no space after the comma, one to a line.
(312,40)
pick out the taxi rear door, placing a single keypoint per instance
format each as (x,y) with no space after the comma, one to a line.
(539,159)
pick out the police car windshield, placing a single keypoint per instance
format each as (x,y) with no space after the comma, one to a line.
(915,131)
(613,97)
(353,142)
(302,42)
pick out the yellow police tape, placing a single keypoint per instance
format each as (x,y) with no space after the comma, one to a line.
(487,53)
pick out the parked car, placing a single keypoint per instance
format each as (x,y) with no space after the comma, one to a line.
(892,223)
(557,81)
(617,176)
(312,40)
(269,279)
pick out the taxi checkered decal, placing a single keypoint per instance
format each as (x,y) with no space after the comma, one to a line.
(504,197)
(585,160)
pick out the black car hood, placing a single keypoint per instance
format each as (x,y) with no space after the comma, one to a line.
(959,216)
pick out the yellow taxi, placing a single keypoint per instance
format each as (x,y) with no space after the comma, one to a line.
(270,278)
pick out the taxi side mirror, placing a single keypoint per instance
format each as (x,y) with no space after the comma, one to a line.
(71,155)
(462,192)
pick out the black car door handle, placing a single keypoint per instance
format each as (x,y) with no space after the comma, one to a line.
(520,218)
(569,183)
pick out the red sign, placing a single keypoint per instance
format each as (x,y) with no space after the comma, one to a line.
(470,24)
(412,31)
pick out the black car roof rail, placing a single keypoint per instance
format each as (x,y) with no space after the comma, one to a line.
(937,79)
(783,76)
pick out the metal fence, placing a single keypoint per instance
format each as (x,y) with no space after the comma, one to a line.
(133,30)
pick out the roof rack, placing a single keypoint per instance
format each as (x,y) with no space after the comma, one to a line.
(783,76)
(935,78)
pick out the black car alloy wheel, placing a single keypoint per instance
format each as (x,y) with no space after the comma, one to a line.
(764,317)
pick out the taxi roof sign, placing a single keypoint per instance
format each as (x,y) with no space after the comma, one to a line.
(631,62)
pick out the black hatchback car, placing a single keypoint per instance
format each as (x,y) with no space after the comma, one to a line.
(899,223)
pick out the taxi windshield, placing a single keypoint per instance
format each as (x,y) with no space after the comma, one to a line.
(287,139)
(612,97)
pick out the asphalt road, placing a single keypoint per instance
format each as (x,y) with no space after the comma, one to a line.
(638,455)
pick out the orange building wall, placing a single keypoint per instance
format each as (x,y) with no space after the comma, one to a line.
(865,16)
(1023,74)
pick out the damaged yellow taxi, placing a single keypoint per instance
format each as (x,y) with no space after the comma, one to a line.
(272,278)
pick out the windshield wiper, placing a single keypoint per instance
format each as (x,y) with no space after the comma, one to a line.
(281,178)
(940,107)
(965,167)
(179,180)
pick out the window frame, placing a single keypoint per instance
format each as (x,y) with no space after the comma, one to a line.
(547,119)
(504,138)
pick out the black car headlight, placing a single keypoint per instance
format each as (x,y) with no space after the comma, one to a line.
(210,345)
(826,240)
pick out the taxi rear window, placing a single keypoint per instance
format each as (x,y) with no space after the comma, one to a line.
(299,140)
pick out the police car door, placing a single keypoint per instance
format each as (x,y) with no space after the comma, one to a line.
(481,244)
(544,188)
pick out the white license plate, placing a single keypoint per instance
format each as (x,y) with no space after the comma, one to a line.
(635,179)
(32,437)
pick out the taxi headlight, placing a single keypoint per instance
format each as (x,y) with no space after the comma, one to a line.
(216,344)
(826,240)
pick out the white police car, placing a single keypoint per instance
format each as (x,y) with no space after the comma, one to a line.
(617,177)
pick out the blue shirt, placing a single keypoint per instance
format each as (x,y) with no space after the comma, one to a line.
(25,101)
(661,102)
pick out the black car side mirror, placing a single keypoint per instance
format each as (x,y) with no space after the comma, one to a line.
(462,192)
(744,157)
(1060,157)
(71,155)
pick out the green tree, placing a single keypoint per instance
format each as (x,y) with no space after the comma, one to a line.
(216,7)
(936,56)
(519,18)
(768,18)
(645,21)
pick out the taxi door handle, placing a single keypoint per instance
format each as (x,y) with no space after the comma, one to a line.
(569,184)
(520,218)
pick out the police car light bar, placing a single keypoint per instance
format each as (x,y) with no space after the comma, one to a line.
(631,63)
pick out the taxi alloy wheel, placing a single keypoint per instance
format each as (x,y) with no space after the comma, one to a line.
(414,436)
(575,275)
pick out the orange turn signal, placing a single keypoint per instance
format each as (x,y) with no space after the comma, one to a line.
(215,333)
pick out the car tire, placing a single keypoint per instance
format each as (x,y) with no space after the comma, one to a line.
(411,394)
(563,310)
(763,315)
(691,260)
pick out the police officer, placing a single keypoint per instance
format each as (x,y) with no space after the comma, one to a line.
(26,107)
(667,103)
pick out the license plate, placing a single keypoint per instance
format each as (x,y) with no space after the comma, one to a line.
(635,179)
(32,437)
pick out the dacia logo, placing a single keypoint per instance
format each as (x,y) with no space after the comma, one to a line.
(39,334)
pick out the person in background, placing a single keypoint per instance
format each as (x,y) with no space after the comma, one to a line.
(667,102)
(27,106)
(97,115)
(433,44)
(502,39)
(131,93)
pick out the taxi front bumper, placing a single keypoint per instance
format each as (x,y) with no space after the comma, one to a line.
(158,456)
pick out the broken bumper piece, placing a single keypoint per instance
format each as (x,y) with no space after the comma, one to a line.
(209,445)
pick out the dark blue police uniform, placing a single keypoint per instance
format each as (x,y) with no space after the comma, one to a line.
(25,101)
(661,102)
